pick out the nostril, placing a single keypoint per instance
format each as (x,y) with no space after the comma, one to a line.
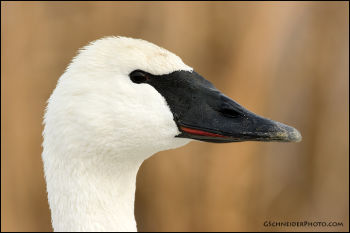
(229,112)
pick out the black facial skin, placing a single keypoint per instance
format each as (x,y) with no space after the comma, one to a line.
(203,113)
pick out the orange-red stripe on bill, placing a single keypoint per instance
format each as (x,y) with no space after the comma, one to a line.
(200,132)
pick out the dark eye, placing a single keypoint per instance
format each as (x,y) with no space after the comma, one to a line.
(138,76)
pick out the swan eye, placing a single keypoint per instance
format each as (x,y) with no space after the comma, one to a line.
(138,76)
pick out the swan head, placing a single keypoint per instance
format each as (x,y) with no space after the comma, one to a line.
(124,94)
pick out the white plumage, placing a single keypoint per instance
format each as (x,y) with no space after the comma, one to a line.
(99,128)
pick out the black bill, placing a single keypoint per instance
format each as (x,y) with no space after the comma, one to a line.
(203,113)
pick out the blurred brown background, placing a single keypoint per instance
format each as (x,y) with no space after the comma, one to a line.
(287,61)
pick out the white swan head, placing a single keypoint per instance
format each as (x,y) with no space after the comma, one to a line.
(130,95)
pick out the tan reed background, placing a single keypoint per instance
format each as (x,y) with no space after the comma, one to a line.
(286,61)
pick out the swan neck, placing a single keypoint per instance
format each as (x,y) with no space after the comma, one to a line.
(92,195)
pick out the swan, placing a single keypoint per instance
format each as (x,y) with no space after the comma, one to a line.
(118,102)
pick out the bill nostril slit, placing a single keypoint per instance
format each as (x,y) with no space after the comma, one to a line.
(229,112)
